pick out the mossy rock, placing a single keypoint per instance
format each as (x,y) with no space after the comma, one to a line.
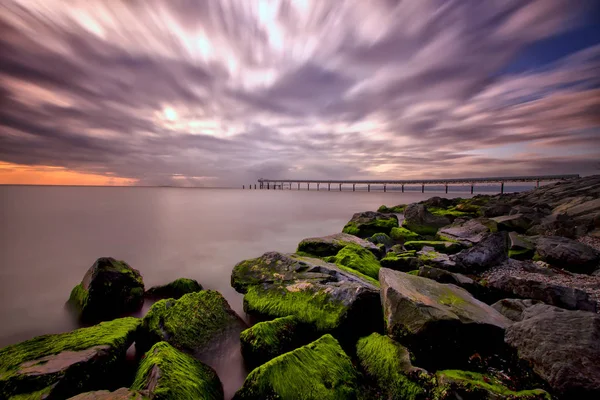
(358,259)
(168,374)
(441,246)
(388,364)
(399,209)
(175,289)
(399,262)
(457,384)
(332,244)
(109,289)
(417,218)
(190,323)
(521,254)
(368,223)
(120,394)
(381,239)
(66,364)
(318,371)
(402,234)
(269,339)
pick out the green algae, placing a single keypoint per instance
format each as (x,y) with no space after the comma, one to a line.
(450,299)
(188,323)
(414,272)
(175,289)
(381,239)
(117,334)
(388,363)
(357,258)
(521,254)
(308,304)
(267,340)
(442,247)
(426,230)
(400,262)
(79,297)
(366,229)
(399,209)
(473,382)
(404,234)
(318,371)
(172,375)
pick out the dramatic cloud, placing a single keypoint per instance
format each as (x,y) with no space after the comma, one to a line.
(222,92)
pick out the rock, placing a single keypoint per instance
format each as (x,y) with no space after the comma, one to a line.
(556,295)
(318,371)
(120,394)
(399,209)
(167,373)
(489,252)
(388,363)
(421,221)
(438,202)
(468,232)
(402,234)
(496,210)
(567,254)
(513,308)
(515,222)
(562,346)
(326,296)
(558,225)
(454,384)
(190,324)
(382,239)
(405,261)
(443,324)
(368,223)
(358,259)
(330,245)
(63,365)
(519,247)
(443,276)
(109,289)
(441,246)
(175,289)
(429,257)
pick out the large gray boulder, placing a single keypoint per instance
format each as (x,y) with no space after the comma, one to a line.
(553,294)
(330,245)
(418,219)
(515,222)
(489,252)
(368,223)
(443,324)
(568,254)
(443,276)
(318,293)
(513,308)
(469,231)
(562,346)
(109,289)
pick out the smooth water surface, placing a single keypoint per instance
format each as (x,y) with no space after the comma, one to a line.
(50,236)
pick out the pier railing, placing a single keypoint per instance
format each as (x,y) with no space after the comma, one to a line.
(288,183)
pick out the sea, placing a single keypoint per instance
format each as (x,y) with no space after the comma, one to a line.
(51,235)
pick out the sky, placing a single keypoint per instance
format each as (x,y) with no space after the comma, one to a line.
(223,92)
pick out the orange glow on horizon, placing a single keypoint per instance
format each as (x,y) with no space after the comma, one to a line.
(16,174)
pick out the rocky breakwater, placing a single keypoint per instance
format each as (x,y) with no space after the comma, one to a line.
(492,297)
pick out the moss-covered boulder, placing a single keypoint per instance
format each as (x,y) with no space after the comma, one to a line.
(441,246)
(109,289)
(358,259)
(368,223)
(403,235)
(520,247)
(443,324)
(66,364)
(191,323)
(457,384)
(318,371)
(381,239)
(119,394)
(388,364)
(431,258)
(329,297)
(399,209)
(468,231)
(418,219)
(404,261)
(330,245)
(168,374)
(175,289)
(269,339)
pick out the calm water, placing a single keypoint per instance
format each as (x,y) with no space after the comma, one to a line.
(50,236)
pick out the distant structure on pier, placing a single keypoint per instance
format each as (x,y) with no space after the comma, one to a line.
(288,183)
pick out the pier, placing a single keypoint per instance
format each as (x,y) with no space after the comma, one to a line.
(337,184)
